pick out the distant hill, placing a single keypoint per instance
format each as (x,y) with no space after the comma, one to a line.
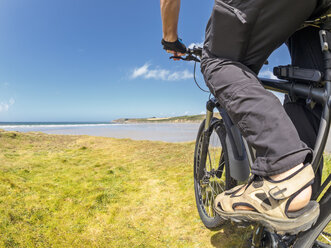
(177,119)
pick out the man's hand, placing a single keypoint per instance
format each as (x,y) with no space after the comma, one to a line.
(169,14)
(177,48)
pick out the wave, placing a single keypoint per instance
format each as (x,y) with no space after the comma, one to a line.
(53,125)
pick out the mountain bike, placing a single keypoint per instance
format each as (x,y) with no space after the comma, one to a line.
(222,156)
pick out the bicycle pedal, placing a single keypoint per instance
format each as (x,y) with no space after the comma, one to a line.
(243,225)
(240,223)
(236,221)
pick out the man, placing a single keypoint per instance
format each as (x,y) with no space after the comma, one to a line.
(240,36)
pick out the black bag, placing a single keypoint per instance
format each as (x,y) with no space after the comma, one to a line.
(322,8)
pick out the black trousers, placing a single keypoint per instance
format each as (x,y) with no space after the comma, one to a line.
(240,36)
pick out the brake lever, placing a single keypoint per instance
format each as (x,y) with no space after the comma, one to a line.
(189,57)
(177,57)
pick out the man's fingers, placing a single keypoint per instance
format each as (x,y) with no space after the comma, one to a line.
(175,53)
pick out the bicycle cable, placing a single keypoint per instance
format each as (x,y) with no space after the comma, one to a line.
(195,80)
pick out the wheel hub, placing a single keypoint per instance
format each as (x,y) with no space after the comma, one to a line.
(208,174)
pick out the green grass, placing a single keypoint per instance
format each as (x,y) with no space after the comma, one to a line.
(82,191)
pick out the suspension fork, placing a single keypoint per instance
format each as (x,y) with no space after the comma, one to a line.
(205,139)
(211,104)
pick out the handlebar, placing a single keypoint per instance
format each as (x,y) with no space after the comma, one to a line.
(192,54)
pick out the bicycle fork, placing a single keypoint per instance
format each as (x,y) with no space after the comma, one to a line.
(209,116)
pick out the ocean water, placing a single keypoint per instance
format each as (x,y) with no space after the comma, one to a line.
(168,132)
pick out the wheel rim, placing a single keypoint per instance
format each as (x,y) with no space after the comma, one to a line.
(212,182)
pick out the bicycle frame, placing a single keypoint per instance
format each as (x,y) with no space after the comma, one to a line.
(243,154)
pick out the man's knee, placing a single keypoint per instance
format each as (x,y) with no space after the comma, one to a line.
(226,77)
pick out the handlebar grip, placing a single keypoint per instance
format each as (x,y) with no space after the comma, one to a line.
(177,46)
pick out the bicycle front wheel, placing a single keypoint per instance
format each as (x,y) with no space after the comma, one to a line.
(211,171)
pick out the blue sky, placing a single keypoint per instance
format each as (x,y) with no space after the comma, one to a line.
(84,60)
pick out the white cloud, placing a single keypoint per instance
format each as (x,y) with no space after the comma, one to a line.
(11,101)
(270,75)
(140,71)
(180,75)
(160,74)
(4,106)
(157,74)
(267,74)
(195,45)
(279,95)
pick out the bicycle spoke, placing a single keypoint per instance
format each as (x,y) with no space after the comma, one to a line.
(219,185)
(206,200)
(210,171)
(213,199)
(208,205)
(214,187)
(209,160)
(214,148)
(324,236)
(212,191)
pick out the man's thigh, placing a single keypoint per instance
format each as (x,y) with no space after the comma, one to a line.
(248,31)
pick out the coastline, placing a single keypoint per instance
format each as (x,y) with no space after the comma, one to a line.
(177,119)
(166,132)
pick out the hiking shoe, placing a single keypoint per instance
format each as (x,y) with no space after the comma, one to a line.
(270,200)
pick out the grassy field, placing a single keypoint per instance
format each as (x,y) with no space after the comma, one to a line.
(82,191)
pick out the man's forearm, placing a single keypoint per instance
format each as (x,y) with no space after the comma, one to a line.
(169,14)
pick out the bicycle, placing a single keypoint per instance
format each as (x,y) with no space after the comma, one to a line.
(222,157)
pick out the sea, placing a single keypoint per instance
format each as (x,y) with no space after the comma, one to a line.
(168,132)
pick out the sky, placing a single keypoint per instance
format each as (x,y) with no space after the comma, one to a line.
(98,60)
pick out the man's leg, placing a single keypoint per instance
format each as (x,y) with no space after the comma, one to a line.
(232,77)
(230,63)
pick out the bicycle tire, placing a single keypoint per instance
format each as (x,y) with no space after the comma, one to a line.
(203,185)
(308,238)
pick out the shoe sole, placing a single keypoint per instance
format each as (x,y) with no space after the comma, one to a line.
(280,226)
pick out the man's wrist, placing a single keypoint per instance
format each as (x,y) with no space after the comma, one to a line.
(170,38)
(176,46)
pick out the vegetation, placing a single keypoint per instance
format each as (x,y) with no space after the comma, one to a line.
(178,119)
(82,191)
